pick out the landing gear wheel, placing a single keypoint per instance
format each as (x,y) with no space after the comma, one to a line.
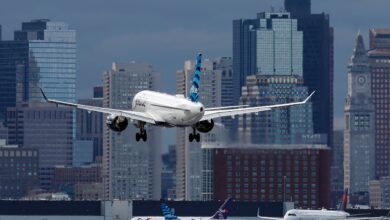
(137,136)
(144,136)
(191,137)
(197,137)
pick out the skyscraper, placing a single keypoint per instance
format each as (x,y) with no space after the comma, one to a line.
(51,60)
(278,79)
(317,62)
(131,170)
(359,134)
(13,66)
(216,78)
(379,58)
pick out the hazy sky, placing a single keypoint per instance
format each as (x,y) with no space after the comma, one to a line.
(165,33)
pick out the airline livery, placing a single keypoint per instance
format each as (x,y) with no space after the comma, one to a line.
(221,213)
(323,214)
(161,109)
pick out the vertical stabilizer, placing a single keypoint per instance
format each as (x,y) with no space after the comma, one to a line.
(344,200)
(196,79)
(222,212)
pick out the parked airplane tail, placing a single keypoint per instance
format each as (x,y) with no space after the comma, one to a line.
(167,213)
(344,200)
(196,79)
(222,212)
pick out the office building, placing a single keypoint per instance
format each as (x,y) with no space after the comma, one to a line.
(359,113)
(131,170)
(317,62)
(291,125)
(13,65)
(18,171)
(45,127)
(337,168)
(216,78)
(379,58)
(380,193)
(51,59)
(297,173)
(90,124)
(168,174)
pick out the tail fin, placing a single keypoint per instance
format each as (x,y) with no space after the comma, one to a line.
(222,212)
(196,79)
(344,200)
(167,212)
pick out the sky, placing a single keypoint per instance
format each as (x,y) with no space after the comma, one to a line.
(166,33)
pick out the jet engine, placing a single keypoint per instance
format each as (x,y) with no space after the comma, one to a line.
(117,123)
(204,126)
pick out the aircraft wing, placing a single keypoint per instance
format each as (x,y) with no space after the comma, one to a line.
(139,116)
(218,113)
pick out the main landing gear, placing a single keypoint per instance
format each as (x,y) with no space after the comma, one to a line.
(193,136)
(142,133)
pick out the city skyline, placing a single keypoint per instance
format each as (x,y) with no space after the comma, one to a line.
(212,36)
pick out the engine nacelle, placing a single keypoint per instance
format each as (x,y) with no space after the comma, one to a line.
(205,126)
(117,123)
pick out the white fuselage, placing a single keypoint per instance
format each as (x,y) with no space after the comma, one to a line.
(168,110)
(299,214)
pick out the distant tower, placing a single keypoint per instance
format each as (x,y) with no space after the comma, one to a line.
(359,142)
(379,57)
(131,170)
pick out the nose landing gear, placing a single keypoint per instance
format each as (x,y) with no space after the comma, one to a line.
(193,136)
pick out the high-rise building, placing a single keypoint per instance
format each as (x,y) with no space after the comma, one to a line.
(131,170)
(47,128)
(215,79)
(18,171)
(297,173)
(13,65)
(293,125)
(337,168)
(317,62)
(379,57)
(359,134)
(168,174)
(51,60)
(278,45)
(90,124)
(1,33)
(42,54)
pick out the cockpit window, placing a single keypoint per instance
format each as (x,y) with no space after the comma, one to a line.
(292,214)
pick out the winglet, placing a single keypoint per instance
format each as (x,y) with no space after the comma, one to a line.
(307,99)
(43,94)
(258,213)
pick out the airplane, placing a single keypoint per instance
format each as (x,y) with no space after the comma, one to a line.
(161,109)
(221,213)
(323,214)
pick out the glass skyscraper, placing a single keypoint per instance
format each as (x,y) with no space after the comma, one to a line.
(52,60)
(279,46)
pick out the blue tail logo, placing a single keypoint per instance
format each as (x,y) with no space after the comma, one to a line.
(222,212)
(167,212)
(196,79)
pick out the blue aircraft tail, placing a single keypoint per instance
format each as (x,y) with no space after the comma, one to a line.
(167,212)
(222,212)
(196,79)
